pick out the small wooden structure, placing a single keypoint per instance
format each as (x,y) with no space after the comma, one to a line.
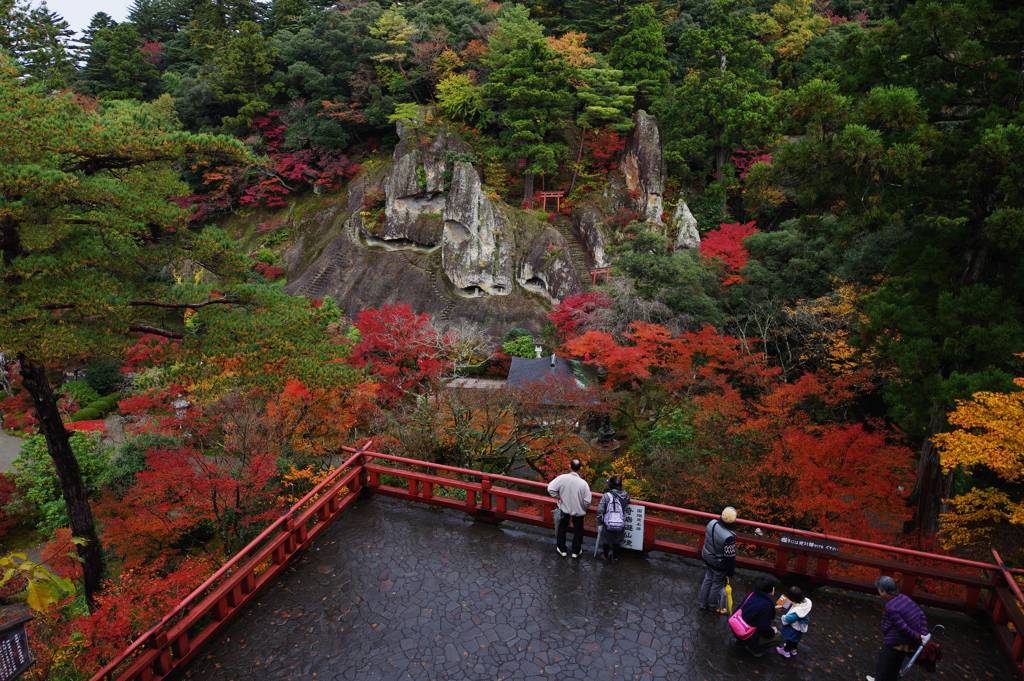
(557,196)
(599,271)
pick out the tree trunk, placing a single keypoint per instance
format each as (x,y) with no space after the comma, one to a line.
(75,495)
(528,190)
(932,485)
(576,168)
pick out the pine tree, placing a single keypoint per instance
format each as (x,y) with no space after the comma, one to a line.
(725,99)
(606,100)
(284,13)
(395,32)
(116,67)
(85,229)
(242,70)
(531,85)
(40,42)
(641,56)
(160,20)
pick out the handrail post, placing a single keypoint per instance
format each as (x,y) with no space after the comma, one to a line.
(485,495)
(162,663)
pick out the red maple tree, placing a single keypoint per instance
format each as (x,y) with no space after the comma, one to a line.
(725,245)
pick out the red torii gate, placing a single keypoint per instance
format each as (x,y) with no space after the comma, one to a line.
(598,271)
(557,196)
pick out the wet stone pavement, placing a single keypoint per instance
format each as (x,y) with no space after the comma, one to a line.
(399,591)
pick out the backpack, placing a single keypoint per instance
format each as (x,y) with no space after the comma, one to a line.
(614,519)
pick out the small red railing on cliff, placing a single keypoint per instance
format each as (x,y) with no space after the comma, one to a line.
(931,579)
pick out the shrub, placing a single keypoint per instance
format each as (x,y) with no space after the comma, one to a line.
(96,425)
(105,405)
(520,347)
(514,333)
(130,460)
(87,414)
(7,490)
(81,391)
(103,374)
(37,479)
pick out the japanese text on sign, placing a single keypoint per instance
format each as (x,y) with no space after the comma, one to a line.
(15,657)
(809,543)
(634,528)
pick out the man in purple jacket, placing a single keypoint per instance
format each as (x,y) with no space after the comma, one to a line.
(903,629)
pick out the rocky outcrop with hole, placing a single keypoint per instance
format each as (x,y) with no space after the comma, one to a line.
(548,270)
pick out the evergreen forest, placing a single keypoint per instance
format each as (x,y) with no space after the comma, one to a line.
(836,345)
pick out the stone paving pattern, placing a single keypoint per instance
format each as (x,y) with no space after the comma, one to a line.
(400,591)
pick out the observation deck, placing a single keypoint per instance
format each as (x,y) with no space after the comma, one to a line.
(393,568)
(395,590)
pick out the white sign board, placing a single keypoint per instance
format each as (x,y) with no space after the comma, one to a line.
(634,528)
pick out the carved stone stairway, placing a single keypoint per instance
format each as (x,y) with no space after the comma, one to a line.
(437,286)
(576,254)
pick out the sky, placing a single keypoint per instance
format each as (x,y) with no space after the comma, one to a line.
(78,13)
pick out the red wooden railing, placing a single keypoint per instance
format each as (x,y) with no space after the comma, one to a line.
(931,579)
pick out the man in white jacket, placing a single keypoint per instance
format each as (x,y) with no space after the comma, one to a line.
(573,494)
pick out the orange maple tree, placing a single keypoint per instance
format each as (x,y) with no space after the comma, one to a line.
(723,426)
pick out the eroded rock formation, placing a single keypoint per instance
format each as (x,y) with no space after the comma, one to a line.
(643,168)
(685,226)
(424,231)
(479,240)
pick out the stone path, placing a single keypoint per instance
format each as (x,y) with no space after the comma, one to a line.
(398,591)
(10,446)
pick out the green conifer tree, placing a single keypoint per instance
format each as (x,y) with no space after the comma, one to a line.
(39,40)
(725,99)
(530,87)
(242,71)
(641,56)
(85,228)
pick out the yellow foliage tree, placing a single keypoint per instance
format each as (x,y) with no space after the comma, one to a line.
(790,26)
(988,436)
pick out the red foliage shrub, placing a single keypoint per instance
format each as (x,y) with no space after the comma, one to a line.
(400,346)
(153,51)
(603,145)
(270,272)
(7,492)
(725,244)
(17,411)
(97,426)
(128,605)
(573,315)
(148,351)
(743,160)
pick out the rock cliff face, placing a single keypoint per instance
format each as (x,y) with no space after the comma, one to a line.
(423,231)
(434,200)
(644,167)
(587,219)
(478,240)
(414,189)
(685,226)
(548,269)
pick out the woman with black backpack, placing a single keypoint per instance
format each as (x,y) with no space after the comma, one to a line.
(611,519)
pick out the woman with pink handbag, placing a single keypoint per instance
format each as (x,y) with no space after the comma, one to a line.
(752,623)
